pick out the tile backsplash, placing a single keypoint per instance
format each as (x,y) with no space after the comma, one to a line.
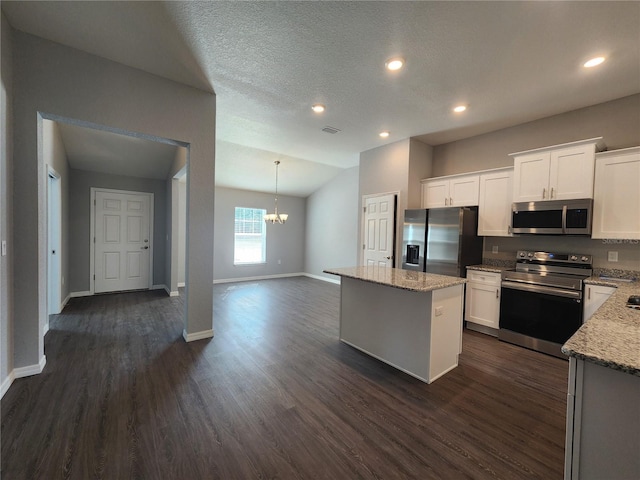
(628,251)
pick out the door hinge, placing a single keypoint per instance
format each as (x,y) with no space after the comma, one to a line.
(364,209)
(94,276)
(94,239)
(94,201)
(364,246)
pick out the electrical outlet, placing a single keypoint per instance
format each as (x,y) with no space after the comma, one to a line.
(494,249)
(612,256)
(439,311)
(279,262)
(4,248)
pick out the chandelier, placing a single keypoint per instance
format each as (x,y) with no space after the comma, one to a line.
(276,217)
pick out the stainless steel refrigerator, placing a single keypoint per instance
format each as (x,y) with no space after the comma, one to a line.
(441,240)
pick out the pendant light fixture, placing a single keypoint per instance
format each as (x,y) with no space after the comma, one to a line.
(276,217)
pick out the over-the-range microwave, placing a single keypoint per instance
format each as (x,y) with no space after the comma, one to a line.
(554,217)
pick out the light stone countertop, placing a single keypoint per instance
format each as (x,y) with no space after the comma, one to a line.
(397,278)
(488,268)
(611,337)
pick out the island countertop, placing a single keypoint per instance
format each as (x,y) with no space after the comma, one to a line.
(398,278)
(611,337)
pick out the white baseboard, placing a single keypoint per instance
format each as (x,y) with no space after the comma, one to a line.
(7,383)
(192,337)
(181,284)
(261,277)
(64,302)
(324,279)
(86,293)
(175,293)
(30,369)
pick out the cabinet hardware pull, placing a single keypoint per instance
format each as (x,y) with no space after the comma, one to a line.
(445,201)
(509,229)
(450,200)
(544,193)
(551,196)
(497,292)
(589,293)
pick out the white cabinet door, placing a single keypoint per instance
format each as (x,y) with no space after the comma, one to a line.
(571,172)
(483,299)
(435,194)
(531,177)
(463,191)
(616,200)
(494,212)
(595,296)
(457,191)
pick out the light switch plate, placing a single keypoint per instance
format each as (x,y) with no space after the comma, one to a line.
(612,256)
(494,249)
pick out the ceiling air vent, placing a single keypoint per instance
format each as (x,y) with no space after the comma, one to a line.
(329,129)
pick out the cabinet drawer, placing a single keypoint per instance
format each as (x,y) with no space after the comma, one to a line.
(485,278)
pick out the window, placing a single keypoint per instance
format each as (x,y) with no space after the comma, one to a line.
(250,236)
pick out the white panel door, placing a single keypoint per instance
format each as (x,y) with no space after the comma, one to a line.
(379,230)
(122,241)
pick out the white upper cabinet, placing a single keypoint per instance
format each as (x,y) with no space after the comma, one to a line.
(616,201)
(494,211)
(561,172)
(454,191)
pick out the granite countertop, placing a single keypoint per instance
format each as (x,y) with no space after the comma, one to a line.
(488,268)
(397,278)
(611,337)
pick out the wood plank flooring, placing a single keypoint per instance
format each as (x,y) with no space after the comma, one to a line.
(273,395)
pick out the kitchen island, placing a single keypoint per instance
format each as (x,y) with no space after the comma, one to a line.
(603,402)
(409,320)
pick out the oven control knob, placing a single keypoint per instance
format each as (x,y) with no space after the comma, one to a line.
(530,254)
(585,259)
(574,258)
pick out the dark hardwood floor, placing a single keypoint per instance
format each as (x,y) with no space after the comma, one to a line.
(273,395)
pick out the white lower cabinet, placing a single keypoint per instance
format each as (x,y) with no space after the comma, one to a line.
(594,297)
(482,301)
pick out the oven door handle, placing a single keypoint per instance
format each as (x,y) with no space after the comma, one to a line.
(558,292)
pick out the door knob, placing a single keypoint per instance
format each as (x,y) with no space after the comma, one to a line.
(144,248)
(388,258)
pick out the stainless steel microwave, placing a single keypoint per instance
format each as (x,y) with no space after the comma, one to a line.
(554,217)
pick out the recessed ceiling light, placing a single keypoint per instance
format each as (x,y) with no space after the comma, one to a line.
(394,63)
(594,62)
(384,134)
(318,108)
(460,108)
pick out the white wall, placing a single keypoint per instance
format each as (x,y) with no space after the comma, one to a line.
(284,242)
(55,156)
(6,204)
(182,230)
(332,225)
(57,82)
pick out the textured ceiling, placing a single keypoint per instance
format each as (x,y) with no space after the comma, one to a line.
(511,62)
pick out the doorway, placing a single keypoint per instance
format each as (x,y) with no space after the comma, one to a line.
(378,230)
(54,240)
(122,225)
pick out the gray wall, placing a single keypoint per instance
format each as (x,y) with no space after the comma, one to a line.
(284,242)
(6,200)
(55,156)
(396,167)
(80,220)
(617,121)
(332,225)
(53,81)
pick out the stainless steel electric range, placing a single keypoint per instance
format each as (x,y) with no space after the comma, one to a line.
(541,299)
